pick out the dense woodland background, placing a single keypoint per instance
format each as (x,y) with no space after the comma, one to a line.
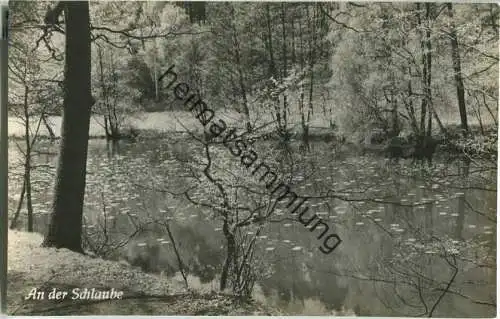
(349,64)
(406,80)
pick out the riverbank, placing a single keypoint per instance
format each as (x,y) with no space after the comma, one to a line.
(150,125)
(30,266)
(161,122)
(479,143)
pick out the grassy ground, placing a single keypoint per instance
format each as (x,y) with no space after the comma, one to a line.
(31,266)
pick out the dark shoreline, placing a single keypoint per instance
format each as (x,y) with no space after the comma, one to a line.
(336,139)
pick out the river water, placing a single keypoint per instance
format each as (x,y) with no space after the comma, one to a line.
(415,239)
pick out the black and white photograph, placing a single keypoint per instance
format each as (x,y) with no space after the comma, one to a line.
(196,158)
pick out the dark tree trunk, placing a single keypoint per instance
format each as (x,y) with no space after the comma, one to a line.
(395,116)
(13,223)
(302,88)
(423,106)
(457,72)
(239,67)
(27,161)
(65,229)
(312,48)
(272,65)
(106,128)
(409,105)
(428,67)
(427,56)
(230,256)
(285,72)
(104,96)
(27,187)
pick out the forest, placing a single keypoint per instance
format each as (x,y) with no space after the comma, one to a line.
(383,115)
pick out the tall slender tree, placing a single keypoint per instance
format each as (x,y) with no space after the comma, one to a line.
(65,230)
(457,71)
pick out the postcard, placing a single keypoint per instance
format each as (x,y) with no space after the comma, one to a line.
(249,158)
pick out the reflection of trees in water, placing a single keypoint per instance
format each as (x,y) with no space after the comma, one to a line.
(113,148)
(413,285)
(425,274)
(205,260)
(324,285)
(463,170)
(295,283)
(197,254)
(289,282)
(459,228)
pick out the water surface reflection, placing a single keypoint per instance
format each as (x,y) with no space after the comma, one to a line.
(415,241)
